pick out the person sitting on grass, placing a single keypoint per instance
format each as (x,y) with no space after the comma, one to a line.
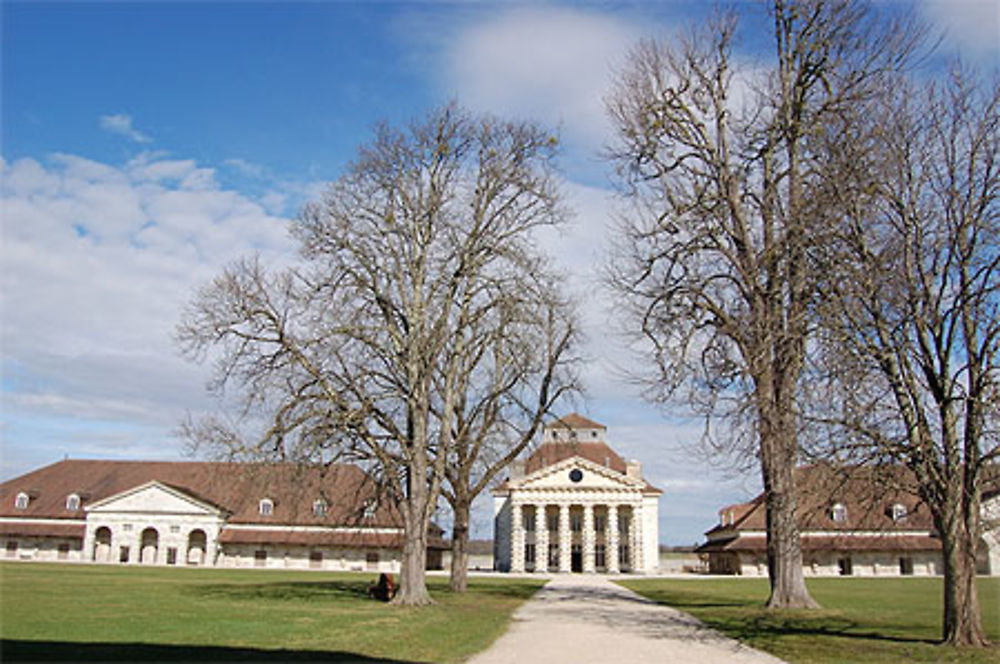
(384,589)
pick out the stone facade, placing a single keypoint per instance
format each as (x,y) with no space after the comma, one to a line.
(575,506)
(202,514)
(859,521)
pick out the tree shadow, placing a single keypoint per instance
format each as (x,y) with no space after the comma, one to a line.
(285,591)
(15,650)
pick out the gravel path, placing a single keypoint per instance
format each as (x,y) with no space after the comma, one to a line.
(587,618)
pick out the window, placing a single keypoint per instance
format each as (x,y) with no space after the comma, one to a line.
(175,529)
(127,527)
(73,502)
(62,553)
(172,555)
(529,522)
(599,523)
(599,555)
(553,554)
(123,554)
(576,522)
(12,548)
(529,554)
(898,512)
(266,507)
(21,502)
(319,507)
(315,559)
(553,523)
(370,507)
(260,558)
(845,567)
(906,566)
(838,512)
(371,559)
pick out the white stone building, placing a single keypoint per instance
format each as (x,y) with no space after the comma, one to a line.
(574,505)
(202,514)
(860,521)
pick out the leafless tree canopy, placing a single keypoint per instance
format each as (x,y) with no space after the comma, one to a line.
(911,310)
(417,260)
(717,162)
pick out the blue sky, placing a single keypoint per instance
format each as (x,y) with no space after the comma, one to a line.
(146,145)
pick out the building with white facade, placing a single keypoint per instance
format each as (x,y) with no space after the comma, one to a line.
(574,505)
(860,521)
(202,514)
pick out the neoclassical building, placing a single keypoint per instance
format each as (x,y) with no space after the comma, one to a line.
(574,505)
(860,521)
(202,514)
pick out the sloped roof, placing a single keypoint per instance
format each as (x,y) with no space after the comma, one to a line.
(574,421)
(868,493)
(846,542)
(554,452)
(235,487)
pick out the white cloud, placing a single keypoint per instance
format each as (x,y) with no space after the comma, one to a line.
(121,123)
(550,64)
(96,264)
(971,27)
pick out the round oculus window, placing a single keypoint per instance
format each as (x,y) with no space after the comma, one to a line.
(575,475)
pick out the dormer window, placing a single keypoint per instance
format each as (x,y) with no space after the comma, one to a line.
(370,507)
(266,507)
(899,512)
(838,512)
(319,507)
(21,502)
(73,502)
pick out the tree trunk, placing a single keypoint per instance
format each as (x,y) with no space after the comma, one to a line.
(413,572)
(784,550)
(460,547)
(962,621)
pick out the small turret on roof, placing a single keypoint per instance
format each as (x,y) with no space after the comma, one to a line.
(574,428)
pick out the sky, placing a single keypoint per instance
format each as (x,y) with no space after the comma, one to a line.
(146,145)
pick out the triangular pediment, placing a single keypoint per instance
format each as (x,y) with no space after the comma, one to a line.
(591,476)
(154,497)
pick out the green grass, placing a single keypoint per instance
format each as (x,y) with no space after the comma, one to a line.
(79,612)
(862,620)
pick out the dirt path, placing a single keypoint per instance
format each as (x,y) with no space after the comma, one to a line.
(587,618)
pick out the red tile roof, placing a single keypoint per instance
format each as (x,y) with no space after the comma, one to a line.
(53,528)
(868,493)
(236,488)
(574,421)
(845,542)
(550,453)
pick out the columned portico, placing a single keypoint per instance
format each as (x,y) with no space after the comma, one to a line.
(576,507)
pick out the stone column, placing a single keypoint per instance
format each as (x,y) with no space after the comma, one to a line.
(516,538)
(565,540)
(541,540)
(611,541)
(638,565)
(588,538)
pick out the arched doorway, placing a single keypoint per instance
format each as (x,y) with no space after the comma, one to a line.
(150,543)
(102,545)
(196,547)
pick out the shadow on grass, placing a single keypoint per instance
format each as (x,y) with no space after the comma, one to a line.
(286,590)
(12,650)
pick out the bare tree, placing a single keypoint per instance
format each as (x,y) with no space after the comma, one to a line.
(355,353)
(912,316)
(515,368)
(717,160)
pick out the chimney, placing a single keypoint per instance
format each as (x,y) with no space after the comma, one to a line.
(516,469)
(633,469)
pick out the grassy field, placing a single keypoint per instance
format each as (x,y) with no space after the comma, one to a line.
(84,612)
(863,619)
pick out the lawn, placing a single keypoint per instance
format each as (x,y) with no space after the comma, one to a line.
(863,619)
(90,612)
